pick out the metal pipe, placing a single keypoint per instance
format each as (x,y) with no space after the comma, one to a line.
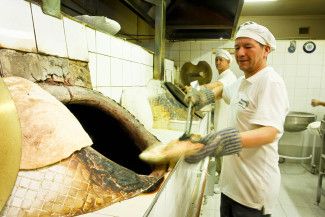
(295,158)
(312,163)
(160,27)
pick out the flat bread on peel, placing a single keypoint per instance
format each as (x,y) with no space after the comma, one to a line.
(160,153)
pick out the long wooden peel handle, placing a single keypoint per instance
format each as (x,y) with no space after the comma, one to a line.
(188,123)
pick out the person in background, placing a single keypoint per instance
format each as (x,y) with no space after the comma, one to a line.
(221,108)
(250,176)
(316,102)
(226,78)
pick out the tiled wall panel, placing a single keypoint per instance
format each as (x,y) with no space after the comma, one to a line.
(16,32)
(116,72)
(103,43)
(117,47)
(50,37)
(127,73)
(103,71)
(113,62)
(75,34)
(91,39)
(92,64)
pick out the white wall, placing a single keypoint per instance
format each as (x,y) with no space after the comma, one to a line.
(114,64)
(304,74)
(195,51)
(287,27)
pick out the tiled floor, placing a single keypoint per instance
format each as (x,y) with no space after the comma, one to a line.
(296,199)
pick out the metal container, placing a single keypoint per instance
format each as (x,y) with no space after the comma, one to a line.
(298,121)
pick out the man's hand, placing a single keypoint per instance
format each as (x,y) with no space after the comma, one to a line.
(315,102)
(224,142)
(199,98)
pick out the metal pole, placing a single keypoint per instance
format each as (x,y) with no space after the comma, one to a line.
(160,27)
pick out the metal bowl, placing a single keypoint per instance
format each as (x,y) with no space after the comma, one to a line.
(298,121)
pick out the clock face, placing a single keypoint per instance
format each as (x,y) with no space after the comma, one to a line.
(309,47)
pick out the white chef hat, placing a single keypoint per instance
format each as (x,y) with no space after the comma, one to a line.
(224,53)
(257,32)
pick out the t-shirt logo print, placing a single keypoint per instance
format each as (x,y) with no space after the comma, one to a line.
(243,103)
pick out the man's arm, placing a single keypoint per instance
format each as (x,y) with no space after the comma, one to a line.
(217,90)
(229,141)
(212,85)
(258,137)
(204,96)
(315,102)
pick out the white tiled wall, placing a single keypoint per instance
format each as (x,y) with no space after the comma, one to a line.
(169,70)
(16,31)
(49,33)
(304,74)
(114,64)
(76,39)
(103,71)
(195,51)
(91,39)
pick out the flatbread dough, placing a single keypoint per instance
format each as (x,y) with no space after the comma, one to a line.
(50,132)
(162,153)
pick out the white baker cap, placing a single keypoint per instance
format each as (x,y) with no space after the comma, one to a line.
(257,32)
(224,53)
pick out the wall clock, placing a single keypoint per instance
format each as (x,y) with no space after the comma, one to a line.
(309,47)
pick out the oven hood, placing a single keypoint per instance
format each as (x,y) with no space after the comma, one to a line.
(192,19)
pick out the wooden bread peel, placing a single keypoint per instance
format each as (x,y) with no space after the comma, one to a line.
(171,152)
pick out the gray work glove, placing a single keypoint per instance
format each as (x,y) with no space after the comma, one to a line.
(224,142)
(199,98)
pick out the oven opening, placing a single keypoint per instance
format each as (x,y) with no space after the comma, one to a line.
(110,138)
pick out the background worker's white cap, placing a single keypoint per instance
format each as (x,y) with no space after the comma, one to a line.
(257,32)
(224,54)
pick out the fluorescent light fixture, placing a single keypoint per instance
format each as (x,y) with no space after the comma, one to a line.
(260,0)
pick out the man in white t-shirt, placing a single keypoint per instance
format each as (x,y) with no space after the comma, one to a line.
(250,177)
(226,78)
(221,108)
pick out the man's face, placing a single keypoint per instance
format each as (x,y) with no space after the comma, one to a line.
(222,64)
(250,55)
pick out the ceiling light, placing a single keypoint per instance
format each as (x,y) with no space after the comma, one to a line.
(260,0)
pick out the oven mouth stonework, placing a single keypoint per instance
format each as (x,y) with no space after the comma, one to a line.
(86,180)
(115,132)
(91,178)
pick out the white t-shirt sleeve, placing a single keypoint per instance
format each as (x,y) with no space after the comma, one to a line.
(228,78)
(229,90)
(272,105)
(226,93)
(225,81)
